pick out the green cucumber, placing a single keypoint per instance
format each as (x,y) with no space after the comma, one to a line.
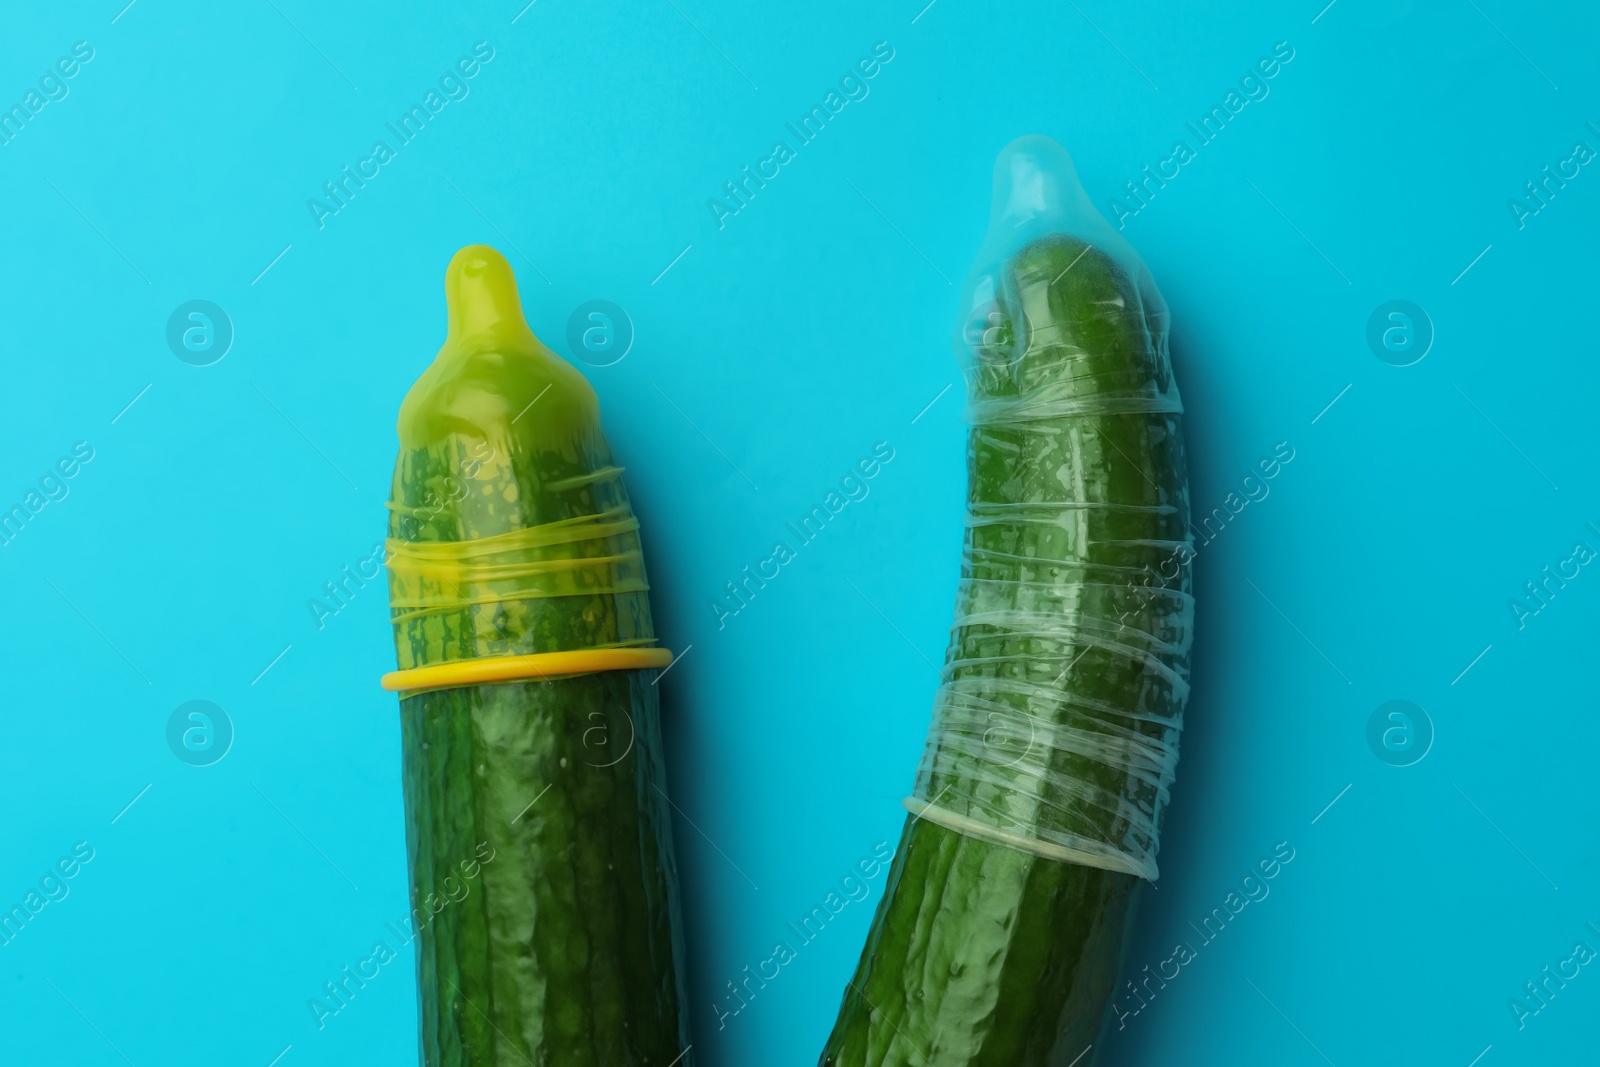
(982,954)
(538,830)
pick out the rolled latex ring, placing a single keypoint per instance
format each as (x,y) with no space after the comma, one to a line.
(540,665)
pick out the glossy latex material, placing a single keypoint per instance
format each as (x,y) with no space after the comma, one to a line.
(526,468)
(1056,728)
(1055,731)
(543,882)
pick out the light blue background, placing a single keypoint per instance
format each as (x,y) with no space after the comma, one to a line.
(815,323)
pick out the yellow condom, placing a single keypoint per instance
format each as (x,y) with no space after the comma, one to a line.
(538,826)
(513,550)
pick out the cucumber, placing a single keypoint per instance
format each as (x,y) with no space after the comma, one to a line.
(543,880)
(984,951)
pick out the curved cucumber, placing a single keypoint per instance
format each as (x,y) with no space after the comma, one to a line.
(543,877)
(982,954)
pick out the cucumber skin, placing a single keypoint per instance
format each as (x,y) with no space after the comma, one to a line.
(563,954)
(566,952)
(981,955)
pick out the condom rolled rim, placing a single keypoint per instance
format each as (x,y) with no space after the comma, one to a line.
(539,665)
(1092,855)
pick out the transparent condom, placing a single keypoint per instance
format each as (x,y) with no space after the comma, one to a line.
(1056,727)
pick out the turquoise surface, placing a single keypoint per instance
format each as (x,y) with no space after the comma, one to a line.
(205,351)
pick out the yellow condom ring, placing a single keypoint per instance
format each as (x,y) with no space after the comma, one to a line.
(540,665)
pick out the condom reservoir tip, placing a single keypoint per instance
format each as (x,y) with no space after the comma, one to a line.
(493,379)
